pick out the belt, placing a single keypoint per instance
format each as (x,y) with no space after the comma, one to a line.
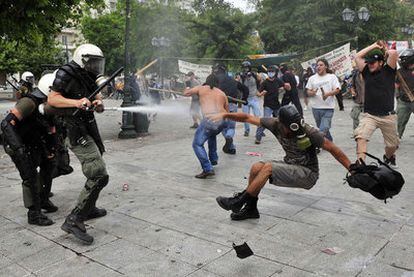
(383,114)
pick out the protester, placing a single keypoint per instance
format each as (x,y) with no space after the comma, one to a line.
(291,95)
(358,95)
(236,90)
(195,111)
(251,81)
(299,168)
(305,78)
(379,75)
(212,101)
(405,83)
(270,90)
(321,89)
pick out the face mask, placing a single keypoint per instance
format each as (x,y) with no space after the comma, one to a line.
(271,74)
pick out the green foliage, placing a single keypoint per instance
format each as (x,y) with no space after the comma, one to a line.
(107,31)
(21,56)
(25,19)
(300,25)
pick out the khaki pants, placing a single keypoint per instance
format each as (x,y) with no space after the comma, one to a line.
(387,124)
(404,111)
(94,169)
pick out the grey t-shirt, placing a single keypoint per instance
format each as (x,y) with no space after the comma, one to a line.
(194,83)
(250,83)
(294,155)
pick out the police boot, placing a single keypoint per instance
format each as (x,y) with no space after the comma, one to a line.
(234,203)
(95,213)
(248,211)
(227,145)
(48,206)
(36,217)
(74,225)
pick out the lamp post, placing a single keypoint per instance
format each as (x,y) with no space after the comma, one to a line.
(127,127)
(363,15)
(161,43)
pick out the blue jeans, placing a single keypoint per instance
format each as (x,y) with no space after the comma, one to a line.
(230,130)
(207,131)
(267,112)
(253,103)
(323,119)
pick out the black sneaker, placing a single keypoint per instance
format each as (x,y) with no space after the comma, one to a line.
(257,141)
(214,163)
(194,126)
(49,207)
(227,145)
(246,133)
(390,161)
(74,225)
(38,218)
(204,174)
(248,211)
(95,213)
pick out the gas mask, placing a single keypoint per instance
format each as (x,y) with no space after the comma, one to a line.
(303,141)
(291,118)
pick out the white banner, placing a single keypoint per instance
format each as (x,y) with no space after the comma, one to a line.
(339,61)
(398,45)
(200,70)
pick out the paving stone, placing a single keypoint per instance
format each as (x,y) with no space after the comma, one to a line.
(398,255)
(13,270)
(380,269)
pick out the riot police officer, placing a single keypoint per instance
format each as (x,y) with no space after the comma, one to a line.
(74,82)
(26,84)
(29,139)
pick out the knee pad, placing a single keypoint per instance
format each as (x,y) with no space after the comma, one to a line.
(102,181)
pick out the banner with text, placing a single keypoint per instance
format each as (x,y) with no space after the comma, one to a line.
(200,70)
(339,61)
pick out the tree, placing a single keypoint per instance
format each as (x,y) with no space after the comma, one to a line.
(300,25)
(24,19)
(107,32)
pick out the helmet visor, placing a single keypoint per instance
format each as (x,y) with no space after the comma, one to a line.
(95,65)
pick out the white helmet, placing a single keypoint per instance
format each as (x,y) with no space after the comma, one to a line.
(28,76)
(90,57)
(46,82)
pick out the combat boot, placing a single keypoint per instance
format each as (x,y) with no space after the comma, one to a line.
(74,225)
(248,211)
(95,213)
(36,217)
(48,206)
(234,203)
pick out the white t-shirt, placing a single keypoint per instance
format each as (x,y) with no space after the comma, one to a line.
(328,82)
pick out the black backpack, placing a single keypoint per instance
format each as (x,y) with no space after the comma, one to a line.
(381,180)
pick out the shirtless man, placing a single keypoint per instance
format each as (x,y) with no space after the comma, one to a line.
(212,101)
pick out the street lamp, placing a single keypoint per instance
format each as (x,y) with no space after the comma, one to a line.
(348,15)
(127,127)
(161,42)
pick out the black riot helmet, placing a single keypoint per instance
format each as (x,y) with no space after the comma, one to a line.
(407,57)
(283,68)
(219,68)
(247,66)
(291,118)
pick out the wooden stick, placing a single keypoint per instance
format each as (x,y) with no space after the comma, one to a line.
(139,72)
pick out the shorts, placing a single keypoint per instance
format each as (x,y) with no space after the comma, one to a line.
(387,124)
(292,175)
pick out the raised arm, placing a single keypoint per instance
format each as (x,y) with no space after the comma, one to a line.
(191,91)
(336,152)
(360,56)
